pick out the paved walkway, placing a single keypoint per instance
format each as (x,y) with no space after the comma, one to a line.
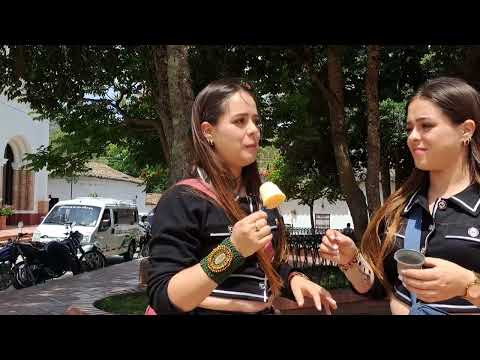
(11,231)
(55,296)
(81,291)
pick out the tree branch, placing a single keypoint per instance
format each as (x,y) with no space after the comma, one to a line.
(141,122)
(152,124)
(305,57)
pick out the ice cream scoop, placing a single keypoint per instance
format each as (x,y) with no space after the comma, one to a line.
(271,195)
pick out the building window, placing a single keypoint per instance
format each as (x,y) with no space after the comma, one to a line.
(322,221)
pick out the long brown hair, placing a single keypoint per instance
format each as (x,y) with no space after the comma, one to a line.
(209,106)
(459,101)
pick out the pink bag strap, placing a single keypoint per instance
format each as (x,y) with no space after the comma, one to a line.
(200,185)
(150,311)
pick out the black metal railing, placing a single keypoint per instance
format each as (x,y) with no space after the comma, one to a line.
(304,249)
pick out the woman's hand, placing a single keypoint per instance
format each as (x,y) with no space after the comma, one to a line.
(440,280)
(302,287)
(337,247)
(251,233)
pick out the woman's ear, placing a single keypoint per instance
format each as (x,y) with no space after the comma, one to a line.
(468,128)
(207,129)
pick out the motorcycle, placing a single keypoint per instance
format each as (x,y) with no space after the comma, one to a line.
(8,258)
(146,237)
(29,263)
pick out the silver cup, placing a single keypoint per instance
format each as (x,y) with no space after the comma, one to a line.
(409,259)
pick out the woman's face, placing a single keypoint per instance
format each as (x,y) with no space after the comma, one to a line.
(237,134)
(434,140)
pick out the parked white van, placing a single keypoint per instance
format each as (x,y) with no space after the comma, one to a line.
(108,226)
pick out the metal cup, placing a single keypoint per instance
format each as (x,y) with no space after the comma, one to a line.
(409,259)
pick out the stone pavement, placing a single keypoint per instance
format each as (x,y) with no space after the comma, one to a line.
(76,295)
(55,296)
(11,231)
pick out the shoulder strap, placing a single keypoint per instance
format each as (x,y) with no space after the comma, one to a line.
(413,230)
(413,234)
(199,185)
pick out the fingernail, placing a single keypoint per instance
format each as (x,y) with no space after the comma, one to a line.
(335,247)
(400,277)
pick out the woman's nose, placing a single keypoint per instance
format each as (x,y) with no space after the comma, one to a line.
(414,135)
(252,128)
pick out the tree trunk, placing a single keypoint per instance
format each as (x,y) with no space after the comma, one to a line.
(181,100)
(174,97)
(165,131)
(334,94)
(373,134)
(386,180)
(312,219)
(20,63)
(471,66)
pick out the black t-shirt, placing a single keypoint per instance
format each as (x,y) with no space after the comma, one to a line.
(186,227)
(451,232)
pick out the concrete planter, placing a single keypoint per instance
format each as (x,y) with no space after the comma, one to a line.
(3,222)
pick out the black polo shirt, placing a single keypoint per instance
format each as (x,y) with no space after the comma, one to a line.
(451,232)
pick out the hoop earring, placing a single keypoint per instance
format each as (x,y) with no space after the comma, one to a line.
(210,142)
(466,142)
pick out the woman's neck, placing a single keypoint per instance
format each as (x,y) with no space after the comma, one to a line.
(448,182)
(238,185)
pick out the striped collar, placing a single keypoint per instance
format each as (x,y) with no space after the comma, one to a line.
(419,197)
(468,199)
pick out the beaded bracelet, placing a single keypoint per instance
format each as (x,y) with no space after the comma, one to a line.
(351,263)
(222,261)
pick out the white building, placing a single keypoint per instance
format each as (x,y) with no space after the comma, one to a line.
(100,181)
(151,201)
(25,191)
(326,215)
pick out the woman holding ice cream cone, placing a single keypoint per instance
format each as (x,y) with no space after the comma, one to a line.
(213,250)
(444,140)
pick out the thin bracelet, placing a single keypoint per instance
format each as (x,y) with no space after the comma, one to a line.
(351,263)
(295,273)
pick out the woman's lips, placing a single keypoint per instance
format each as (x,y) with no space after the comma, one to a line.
(419,151)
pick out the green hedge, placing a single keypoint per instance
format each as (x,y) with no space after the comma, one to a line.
(329,277)
(124,304)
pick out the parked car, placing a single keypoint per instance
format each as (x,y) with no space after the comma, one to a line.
(107,225)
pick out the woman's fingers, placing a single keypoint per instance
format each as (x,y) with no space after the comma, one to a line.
(329,244)
(326,252)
